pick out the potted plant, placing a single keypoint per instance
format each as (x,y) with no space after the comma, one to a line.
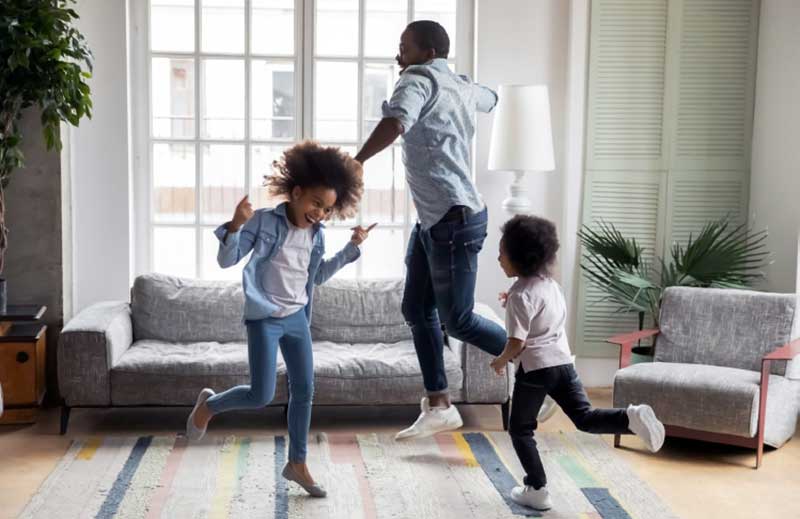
(720,256)
(44,62)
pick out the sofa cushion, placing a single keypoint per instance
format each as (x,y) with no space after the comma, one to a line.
(710,398)
(167,308)
(724,327)
(360,311)
(163,373)
(377,373)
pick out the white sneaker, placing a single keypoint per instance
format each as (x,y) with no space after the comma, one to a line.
(192,431)
(643,423)
(432,420)
(532,498)
(547,410)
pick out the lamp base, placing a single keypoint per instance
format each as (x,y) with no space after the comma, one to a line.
(518,202)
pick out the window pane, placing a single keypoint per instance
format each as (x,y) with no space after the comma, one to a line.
(385,22)
(384,189)
(335,240)
(174,252)
(336,28)
(223,99)
(211,269)
(272,29)
(223,26)
(173,182)
(442,11)
(383,254)
(172,25)
(261,160)
(223,181)
(172,98)
(273,102)
(379,80)
(335,101)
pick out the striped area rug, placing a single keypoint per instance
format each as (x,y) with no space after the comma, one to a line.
(459,475)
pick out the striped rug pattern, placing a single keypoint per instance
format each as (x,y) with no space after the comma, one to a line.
(368,476)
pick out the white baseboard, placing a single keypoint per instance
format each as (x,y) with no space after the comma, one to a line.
(596,372)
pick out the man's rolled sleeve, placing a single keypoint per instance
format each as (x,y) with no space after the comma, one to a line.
(410,94)
(486,98)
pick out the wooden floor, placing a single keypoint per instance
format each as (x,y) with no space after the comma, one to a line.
(697,480)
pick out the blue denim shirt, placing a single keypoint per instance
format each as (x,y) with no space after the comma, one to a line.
(265,234)
(437,110)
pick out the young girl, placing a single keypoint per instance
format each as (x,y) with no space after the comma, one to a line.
(537,344)
(278,281)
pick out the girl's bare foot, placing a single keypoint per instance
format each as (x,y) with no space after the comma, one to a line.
(301,469)
(202,415)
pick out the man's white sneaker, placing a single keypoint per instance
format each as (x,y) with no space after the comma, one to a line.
(432,420)
(532,498)
(643,423)
(192,431)
(547,410)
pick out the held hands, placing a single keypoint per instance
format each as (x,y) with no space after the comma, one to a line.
(360,234)
(243,212)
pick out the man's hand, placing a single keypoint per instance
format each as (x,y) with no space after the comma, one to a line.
(360,234)
(243,212)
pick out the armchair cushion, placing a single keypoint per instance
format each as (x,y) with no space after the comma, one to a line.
(725,327)
(710,398)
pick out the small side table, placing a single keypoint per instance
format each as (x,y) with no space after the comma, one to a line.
(22,362)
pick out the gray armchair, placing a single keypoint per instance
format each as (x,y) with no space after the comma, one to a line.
(725,368)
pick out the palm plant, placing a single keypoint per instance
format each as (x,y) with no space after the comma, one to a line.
(722,255)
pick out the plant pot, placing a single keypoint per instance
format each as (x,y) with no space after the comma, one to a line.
(3,299)
(641,354)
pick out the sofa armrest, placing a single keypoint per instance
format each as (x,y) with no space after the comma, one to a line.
(481,384)
(89,345)
(626,342)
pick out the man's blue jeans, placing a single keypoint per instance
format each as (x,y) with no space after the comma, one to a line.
(442,268)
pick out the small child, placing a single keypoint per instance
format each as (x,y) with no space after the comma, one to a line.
(278,281)
(537,344)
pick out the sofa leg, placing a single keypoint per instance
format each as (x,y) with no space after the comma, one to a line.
(64,419)
(617,438)
(504,411)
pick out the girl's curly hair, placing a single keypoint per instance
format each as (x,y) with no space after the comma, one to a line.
(531,244)
(309,164)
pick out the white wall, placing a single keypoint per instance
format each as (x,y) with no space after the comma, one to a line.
(775,177)
(541,42)
(98,165)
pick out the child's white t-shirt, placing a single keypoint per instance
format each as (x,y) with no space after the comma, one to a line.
(536,314)
(286,274)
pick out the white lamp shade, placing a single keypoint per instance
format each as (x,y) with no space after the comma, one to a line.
(522,139)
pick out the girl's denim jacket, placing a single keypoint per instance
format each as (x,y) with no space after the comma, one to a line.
(265,234)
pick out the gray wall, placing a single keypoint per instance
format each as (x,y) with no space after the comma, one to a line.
(33,261)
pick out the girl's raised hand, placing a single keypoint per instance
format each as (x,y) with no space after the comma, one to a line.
(243,212)
(360,234)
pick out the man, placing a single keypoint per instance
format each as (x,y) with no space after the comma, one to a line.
(434,111)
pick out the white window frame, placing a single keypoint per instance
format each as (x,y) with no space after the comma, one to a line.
(141,139)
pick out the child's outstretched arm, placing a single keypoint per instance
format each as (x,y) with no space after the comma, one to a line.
(347,255)
(513,348)
(236,237)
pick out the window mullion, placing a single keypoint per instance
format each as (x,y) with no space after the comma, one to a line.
(307,64)
(248,117)
(198,151)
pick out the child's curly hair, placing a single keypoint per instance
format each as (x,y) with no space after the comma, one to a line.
(531,244)
(309,164)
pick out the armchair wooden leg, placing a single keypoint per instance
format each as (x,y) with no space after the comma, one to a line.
(504,410)
(617,438)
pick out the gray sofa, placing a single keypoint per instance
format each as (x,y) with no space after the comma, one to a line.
(726,367)
(177,336)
